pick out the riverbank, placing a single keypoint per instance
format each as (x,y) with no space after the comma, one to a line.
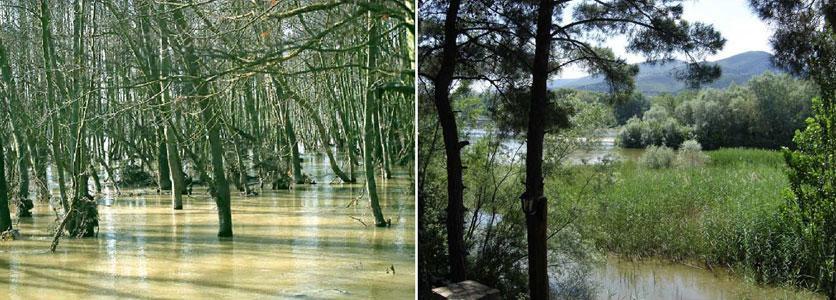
(720,215)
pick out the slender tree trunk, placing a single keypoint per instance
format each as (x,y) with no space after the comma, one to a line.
(323,137)
(381,136)
(5,215)
(24,204)
(163,172)
(452,146)
(295,161)
(39,160)
(200,89)
(175,168)
(533,201)
(368,123)
(57,155)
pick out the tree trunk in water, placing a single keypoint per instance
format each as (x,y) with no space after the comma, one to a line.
(249,105)
(46,43)
(163,172)
(5,216)
(242,170)
(368,123)
(533,201)
(39,160)
(384,155)
(95,175)
(174,167)
(323,137)
(452,147)
(175,163)
(24,204)
(294,148)
(200,89)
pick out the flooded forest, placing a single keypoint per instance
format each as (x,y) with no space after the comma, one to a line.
(207,149)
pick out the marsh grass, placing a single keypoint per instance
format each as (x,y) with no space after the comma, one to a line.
(725,213)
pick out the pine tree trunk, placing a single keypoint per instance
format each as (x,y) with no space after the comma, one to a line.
(452,147)
(534,202)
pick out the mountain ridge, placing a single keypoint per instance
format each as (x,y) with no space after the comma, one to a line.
(654,79)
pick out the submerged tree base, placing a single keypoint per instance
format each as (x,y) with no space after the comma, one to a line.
(84,218)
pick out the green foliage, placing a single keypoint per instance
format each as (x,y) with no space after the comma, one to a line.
(680,213)
(731,212)
(589,117)
(633,106)
(690,154)
(494,222)
(811,196)
(657,157)
(657,127)
(763,114)
(510,109)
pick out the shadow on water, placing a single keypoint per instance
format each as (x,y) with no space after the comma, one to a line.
(301,243)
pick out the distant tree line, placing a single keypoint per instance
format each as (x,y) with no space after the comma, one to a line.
(763,113)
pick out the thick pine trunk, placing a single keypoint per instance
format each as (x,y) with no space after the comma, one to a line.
(452,147)
(533,201)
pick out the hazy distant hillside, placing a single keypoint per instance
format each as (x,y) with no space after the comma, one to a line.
(655,79)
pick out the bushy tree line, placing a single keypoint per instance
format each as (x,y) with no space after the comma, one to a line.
(763,113)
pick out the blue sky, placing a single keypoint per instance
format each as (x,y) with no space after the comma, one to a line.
(732,18)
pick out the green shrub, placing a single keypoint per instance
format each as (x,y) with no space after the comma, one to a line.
(630,135)
(657,157)
(690,154)
(656,129)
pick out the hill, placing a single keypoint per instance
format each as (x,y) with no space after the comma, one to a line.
(655,79)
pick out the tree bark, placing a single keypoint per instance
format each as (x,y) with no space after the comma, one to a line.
(24,204)
(5,216)
(452,146)
(46,43)
(368,123)
(199,88)
(533,201)
(295,161)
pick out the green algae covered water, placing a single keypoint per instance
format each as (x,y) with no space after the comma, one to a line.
(303,243)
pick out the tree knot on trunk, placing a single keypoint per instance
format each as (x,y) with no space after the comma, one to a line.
(531,206)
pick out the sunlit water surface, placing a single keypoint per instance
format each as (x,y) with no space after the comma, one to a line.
(301,243)
(652,279)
